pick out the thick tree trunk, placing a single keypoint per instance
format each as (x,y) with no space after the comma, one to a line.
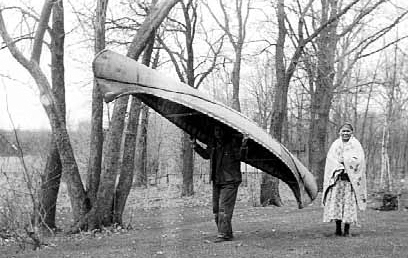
(270,191)
(187,151)
(323,95)
(126,171)
(101,214)
(151,23)
(106,190)
(53,169)
(129,147)
(270,185)
(49,188)
(318,136)
(55,115)
(141,162)
(54,106)
(96,141)
(79,201)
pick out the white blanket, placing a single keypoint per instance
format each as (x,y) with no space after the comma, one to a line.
(353,164)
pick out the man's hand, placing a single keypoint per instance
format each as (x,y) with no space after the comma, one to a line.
(193,140)
(244,140)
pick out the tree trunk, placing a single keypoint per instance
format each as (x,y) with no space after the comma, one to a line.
(101,214)
(141,175)
(188,165)
(270,191)
(187,151)
(53,169)
(151,23)
(236,73)
(128,159)
(50,183)
(363,126)
(185,68)
(55,115)
(126,171)
(270,185)
(323,94)
(96,141)
(106,190)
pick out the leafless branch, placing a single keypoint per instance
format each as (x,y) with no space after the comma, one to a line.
(42,26)
(16,40)
(172,57)
(384,47)
(215,53)
(365,11)
(299,50)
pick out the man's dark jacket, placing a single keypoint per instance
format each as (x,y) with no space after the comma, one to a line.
(225,161)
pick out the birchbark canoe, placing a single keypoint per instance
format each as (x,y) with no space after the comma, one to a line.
(197,114)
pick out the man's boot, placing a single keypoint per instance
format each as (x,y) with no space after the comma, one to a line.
(223,228)
(228,226)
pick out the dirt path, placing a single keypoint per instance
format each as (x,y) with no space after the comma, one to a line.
(259,232)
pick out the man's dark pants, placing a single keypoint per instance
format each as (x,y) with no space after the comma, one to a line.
(224,198)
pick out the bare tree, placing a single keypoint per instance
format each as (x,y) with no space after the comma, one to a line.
(142,159)
(96,141)
(184,61)
(52,108)
(101,213)
(284,73)
(321,101)
(128,158)
(261,84)
(329,80)
(236,38)
(53,168)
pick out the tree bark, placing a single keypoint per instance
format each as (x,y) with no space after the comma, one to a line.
(236,74)
(53,169)
(128,159)
(151,23)
(126,171)
(104,199)
(96,141)
(101,214)
(187,148)
(141,176)
(323,94)
(55,115)
(50,183)
(188,166)
(270,185)
(270,191)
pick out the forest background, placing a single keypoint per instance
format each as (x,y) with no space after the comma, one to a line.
(297,68)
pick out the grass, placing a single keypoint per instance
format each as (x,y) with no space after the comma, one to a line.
(186,229)
(161,224)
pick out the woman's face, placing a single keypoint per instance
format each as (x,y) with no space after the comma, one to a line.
(346,133)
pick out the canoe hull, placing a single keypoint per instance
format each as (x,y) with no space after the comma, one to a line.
(197,114)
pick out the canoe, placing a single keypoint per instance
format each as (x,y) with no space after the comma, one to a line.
(197,114)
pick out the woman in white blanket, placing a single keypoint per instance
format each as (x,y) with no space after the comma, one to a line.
(344,187)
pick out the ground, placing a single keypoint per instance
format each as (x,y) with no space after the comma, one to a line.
(187,230)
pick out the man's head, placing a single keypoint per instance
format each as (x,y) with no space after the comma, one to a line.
(218,133)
